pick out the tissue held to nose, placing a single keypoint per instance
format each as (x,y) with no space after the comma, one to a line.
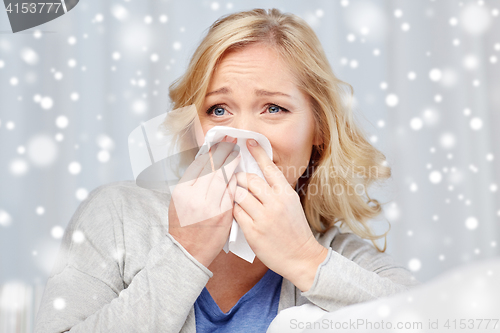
(200,210)
(217,137)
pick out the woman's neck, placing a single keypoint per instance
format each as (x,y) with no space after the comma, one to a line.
(230,265)
(233,277)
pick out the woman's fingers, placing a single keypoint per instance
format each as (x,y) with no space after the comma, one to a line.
(271,172)
(220,178)
(255,185)
(248,203)
(206,164)
(221,152)
(218,153)
(228,197)
(244,221)
(194,170)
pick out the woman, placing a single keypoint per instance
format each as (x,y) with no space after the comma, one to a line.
(266,72)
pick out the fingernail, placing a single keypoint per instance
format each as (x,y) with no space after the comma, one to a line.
(229,138)
(252,142)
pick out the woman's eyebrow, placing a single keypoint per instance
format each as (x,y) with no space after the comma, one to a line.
(258,92)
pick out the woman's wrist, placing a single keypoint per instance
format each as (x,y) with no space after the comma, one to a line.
(197,251)
(304,268)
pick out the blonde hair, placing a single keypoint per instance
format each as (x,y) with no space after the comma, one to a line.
(343,143)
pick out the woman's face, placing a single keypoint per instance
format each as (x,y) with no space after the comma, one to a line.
(253,89)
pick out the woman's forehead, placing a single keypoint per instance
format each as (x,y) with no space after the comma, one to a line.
(254,62)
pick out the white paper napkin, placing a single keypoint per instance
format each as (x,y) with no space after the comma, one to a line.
(236,242)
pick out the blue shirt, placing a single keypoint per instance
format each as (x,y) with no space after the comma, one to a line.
(253,312)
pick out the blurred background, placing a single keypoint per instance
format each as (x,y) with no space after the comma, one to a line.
(426,79)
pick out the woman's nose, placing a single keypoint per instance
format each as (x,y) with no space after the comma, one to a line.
(247,120)
(245,124)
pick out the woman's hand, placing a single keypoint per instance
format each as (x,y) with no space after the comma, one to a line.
(200,211)
(275,226)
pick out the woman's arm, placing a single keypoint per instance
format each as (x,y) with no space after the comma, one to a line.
(86,291)
(353,272)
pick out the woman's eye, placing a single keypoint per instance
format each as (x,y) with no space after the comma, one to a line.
(216,110)
(276,109)
(219,111)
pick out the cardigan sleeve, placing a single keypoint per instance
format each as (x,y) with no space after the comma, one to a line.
(86,291)
(354,271)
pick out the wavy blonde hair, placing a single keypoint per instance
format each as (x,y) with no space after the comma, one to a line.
(344,145)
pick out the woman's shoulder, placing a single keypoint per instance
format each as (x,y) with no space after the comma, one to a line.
(125,191)
(124,200)
(122,210)
(120,221)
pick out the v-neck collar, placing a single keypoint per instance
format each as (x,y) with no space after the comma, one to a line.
(213,310)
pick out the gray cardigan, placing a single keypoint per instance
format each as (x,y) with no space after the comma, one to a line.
(118,270)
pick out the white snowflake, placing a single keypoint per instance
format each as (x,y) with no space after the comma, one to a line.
(18,167)
(139,106)
(447,140)
(163,18)
(435,74)
(40,210)
(392,100)
(74,168)
(29,56)
(81,194)
(103,156)
(392,212)
(474,19)
(470,62)
(476,123)
(62,121)
(471,223)
(435,177)
(78,236)
(59,303)
(119,12)
(416,123)
(42,150)
(5,218)
(99,17)
(414,265)
(57,232)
